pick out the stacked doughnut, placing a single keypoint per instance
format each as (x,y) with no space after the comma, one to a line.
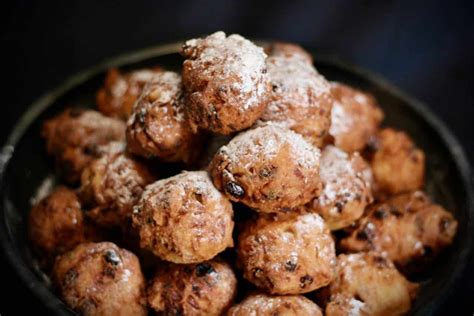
(234,187)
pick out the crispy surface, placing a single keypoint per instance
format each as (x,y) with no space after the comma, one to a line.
(111,185)
(100,279)
(408,227)
(355,117)
(287,254)
(397,164)
(74,137)
(369,284)
(157,127)
(121,90)
(269,168)
(346,188)
(226,82)
(267,305)
(206,288)
(55,224)
(184,219)
(301,98)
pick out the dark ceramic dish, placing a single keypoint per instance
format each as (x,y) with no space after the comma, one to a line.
(24,164)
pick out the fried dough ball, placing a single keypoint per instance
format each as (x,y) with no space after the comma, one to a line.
(74,136)
(120,91)
(287,253)
(301,98)
(267,305)
(100,279)
(157,127)
(269,168)
(408,227)
(346,188)
(111,185)
(355,117)
(397,164)
(55,224)
(226,82)
(206,288)
(369,284)
(288,50)
(184,219)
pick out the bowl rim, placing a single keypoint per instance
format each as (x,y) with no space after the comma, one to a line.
(51,301)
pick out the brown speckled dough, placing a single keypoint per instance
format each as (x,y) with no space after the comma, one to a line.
(269,168)
(73,138)
(111,185)
(184,219)
(369,284)
(407,227)
(287,254)
(267,305)
(346,188)
(301,98)
(206,289)
(226,82)
(288,50)
(100,279)
(355,117)
(55,224)
(120,91)
(157,127)
(397,164)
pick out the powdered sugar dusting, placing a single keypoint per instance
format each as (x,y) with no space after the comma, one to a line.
(355,307)
(267,141)
(309,223)
(341,122)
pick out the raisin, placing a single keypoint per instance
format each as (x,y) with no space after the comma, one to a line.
(204,268)
(290,266)
(112,257)
(234,189)
(305,280)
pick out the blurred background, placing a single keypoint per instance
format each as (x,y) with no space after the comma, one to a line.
(424,47)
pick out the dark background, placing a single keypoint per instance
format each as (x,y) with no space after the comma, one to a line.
(424,47)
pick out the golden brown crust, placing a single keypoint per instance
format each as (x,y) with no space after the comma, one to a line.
(407,228)
(225,81)
(346,188)
(287,254)
(267,305)
(269,168)
(121,90)
(369,284)
(75,136)
(55,224)
(397,164)
(355,117)
(184,219)
(111,185)
(157,127)
(100,279)
(206,288)
(300,99)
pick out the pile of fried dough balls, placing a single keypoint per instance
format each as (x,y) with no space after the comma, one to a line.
(291,187)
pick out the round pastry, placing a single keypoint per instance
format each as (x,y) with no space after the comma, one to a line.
(206,289)
(111,185)
(301,98)
(355,117)
(100,279)
(287,254)
(226,82)
(184,219)
(267,305)
(369,284)
(55,224)
(120,91)
(346,188)
(269,168)
(74,136)
(408,228)
(157,127)
(397,164)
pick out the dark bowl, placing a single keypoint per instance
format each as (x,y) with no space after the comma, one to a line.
(24,165)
